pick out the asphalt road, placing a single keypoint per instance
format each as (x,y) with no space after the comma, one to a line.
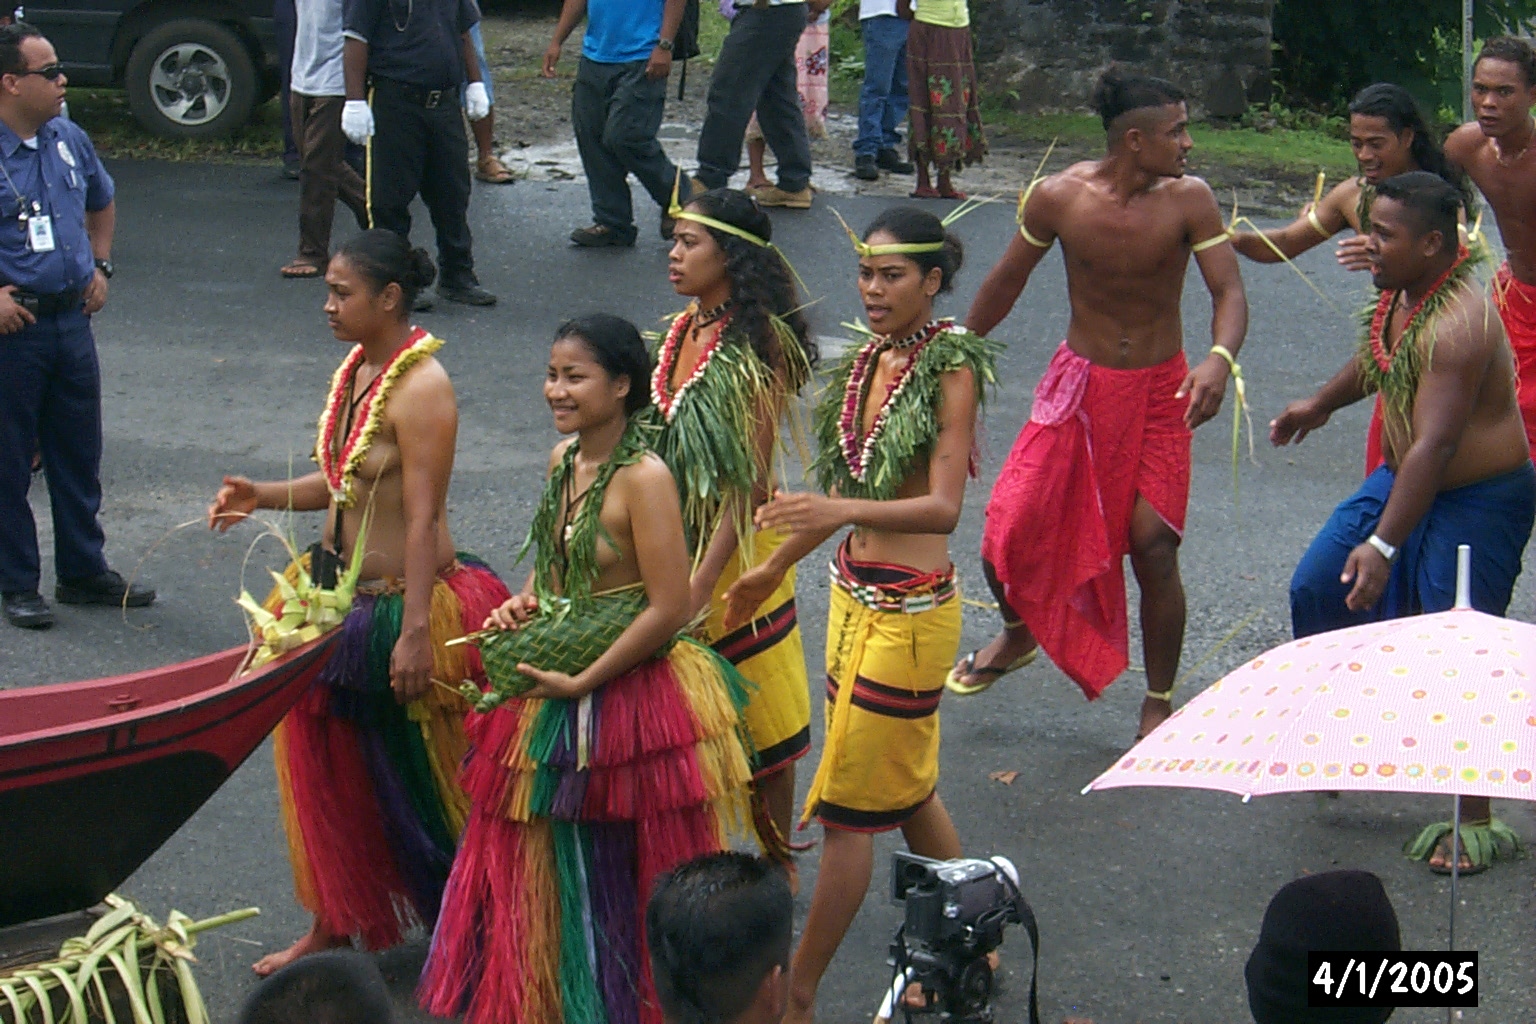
(1148,900)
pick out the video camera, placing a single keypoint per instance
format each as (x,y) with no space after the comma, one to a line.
(956,911)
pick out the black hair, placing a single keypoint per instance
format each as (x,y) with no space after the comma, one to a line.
(11,38)
(384,258)
(762,284)
(1119,92)
(337,986)
(1516,51)
(1432,201)
(618,348)
(716,926)
(909,224)
(1396,106)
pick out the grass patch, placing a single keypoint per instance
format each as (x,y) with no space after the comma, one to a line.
(1289,150)
(104,115)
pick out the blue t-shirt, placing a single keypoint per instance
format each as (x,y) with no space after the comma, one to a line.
(621,31)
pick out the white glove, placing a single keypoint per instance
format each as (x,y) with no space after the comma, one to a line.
(477,102)
(357,121)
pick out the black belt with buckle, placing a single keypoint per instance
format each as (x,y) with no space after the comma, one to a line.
(429,98)
(49,303)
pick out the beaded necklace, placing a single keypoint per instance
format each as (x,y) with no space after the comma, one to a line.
(663,397)
(856,446)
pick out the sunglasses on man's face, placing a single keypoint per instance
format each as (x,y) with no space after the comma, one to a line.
(53,72)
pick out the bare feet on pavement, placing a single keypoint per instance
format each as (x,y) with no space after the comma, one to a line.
(1154,713)
(314,941)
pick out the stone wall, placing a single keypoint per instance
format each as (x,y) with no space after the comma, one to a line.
(1049,52)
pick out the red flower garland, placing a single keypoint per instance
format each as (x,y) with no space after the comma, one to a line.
(339,467)
(665,399)
(857,446)
(1384,304)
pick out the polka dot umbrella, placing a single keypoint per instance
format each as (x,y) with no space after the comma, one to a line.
(1434,704)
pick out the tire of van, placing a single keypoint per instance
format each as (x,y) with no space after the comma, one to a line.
(191,79)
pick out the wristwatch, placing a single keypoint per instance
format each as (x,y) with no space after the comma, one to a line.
(105,266)
(1386,550)
(665,44)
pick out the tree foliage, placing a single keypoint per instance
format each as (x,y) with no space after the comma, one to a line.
(1327,50)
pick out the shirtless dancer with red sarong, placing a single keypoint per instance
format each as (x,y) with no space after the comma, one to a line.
(1497,154)
(1102,469)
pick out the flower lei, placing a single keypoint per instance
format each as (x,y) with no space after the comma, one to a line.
(875,465)
(341,468)
(662,396)
(857,451)
(1395,375)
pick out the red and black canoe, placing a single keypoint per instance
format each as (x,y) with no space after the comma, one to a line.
(95,776)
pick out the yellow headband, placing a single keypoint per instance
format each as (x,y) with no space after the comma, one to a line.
(864,249)
(676,212)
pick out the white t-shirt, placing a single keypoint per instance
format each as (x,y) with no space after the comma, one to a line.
(317,45)
(876,8)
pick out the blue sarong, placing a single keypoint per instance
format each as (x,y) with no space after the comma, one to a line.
(1494,516)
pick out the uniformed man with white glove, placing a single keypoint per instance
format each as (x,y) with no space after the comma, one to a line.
(404,62)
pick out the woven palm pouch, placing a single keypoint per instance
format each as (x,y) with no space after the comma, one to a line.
(567,638)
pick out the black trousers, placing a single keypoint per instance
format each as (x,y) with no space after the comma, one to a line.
(422,150)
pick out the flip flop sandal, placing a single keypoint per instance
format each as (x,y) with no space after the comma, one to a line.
(1466,872)
(988,674)
(493,172)
(302,270)
(924,193)
(953,194)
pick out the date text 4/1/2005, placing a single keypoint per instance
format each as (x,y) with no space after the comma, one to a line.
(1392,979)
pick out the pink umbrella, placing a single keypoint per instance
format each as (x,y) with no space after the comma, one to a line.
(1435,704)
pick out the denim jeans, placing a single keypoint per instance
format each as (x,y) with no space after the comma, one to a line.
(883,100)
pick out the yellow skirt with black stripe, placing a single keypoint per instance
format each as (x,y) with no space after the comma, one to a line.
(769,652)
(885,675)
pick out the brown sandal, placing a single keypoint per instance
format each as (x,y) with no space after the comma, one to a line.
(302,269)
(493,172)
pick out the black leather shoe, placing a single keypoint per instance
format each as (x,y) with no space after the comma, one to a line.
(890,160)
(108,588)
(865,168)
(468,293)
(29,611)
(600,236)
(424,302)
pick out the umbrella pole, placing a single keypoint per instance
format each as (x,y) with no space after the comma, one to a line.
(1463,600)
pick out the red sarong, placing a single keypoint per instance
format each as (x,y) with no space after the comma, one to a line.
(1517,308)
(1059,520)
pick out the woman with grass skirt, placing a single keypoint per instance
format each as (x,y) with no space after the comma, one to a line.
(895,435)
(367,760)
(587,783)
(725,374)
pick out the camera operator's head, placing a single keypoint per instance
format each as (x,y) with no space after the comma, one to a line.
(719,930)
(1337,910)
(337,986)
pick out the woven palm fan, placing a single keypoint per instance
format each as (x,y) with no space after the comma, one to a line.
(566,638)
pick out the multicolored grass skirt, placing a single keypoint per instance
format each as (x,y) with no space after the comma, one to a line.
(941,87)
(885,675)
(577,807)
(769,653)
(370,799)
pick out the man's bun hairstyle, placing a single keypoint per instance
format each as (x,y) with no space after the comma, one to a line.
(1506,48)
(908,225)
(1119,92)
(384,257)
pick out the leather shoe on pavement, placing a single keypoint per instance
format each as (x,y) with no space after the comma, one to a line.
(866,169)
(468,293)
(890,160)
(775,196)
(600,236)
(29,611)
(108,588)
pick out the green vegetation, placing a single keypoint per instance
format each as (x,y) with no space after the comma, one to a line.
(103,113)
(1326,51)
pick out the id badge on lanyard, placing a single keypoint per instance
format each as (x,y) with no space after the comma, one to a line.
(40,232)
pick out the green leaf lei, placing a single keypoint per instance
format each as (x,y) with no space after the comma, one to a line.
(1398,382)
(912,420)
(710,442)
(578,570)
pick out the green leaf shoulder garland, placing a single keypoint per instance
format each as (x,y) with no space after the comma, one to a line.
(706,430)
(875,464)
(1395,375)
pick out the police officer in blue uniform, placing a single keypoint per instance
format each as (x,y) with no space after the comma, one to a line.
(56,223)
